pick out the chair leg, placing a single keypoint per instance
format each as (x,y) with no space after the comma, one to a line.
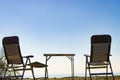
(90,77)
(4,75)
(46,73)
(23,74)
(86,62)
(112,72)
(85,73)
(33,73)
(89,72)
(14,73)
(106,73)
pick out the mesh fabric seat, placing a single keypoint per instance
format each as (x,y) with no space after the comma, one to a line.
(100,56)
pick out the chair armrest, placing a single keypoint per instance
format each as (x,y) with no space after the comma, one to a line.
(110,55)
(29,56)
(86,55)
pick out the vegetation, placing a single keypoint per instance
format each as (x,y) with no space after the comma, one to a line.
(2,62)
(79,78)
(3,65)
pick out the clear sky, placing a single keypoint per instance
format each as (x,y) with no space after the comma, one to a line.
(61,26)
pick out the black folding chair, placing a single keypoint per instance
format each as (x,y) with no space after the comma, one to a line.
(15,60)
(100,56)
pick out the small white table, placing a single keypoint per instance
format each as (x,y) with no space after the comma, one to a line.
(69,56)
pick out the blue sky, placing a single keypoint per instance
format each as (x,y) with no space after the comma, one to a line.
(61,26)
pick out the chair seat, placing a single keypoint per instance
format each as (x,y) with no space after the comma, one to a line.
(37,64)
(99,63)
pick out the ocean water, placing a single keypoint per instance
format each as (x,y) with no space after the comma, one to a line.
(55,75)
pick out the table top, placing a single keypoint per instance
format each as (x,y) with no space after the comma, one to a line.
(60,54)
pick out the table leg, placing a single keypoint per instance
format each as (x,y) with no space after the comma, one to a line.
(46,70)
(72,67)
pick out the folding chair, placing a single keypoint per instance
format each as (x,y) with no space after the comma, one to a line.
(99,58)
(15,61)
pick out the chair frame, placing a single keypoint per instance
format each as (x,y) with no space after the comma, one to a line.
(12,52)
(92,63)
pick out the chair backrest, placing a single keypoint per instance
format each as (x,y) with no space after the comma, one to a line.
(12,50)
(100,48)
